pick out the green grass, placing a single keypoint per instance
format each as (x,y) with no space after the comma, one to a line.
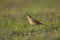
(14,25)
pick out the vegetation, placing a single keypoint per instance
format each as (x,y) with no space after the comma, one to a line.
(14,25)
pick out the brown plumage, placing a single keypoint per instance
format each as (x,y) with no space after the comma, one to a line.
(33,21)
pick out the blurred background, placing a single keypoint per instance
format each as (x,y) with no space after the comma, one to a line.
(14,25)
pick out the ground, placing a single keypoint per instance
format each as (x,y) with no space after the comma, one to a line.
(15,26)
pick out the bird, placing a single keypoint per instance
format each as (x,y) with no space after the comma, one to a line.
(33,21)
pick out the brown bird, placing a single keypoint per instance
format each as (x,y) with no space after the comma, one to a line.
(35,22)
(32,20)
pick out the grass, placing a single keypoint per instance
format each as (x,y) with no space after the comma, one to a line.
(14,25)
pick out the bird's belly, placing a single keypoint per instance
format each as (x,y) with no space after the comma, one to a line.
(31,21)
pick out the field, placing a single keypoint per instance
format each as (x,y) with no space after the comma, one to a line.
(15,26)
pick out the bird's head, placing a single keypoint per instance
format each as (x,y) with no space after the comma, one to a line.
(28,16)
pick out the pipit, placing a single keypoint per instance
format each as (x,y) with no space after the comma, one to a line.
(33,21)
